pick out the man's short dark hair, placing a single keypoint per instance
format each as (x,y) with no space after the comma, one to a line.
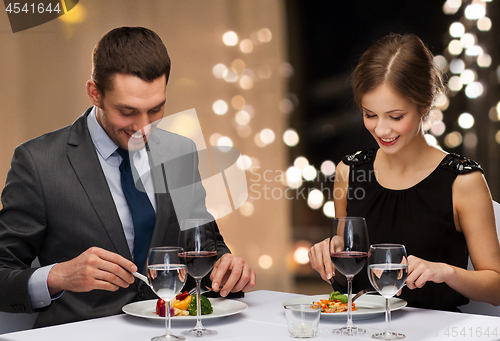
(135,51)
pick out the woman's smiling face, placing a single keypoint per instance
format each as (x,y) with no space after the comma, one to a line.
(393,121)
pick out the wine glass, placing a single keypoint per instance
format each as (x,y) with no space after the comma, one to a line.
(167,275)
(349,251)
(387,271)
(198,238)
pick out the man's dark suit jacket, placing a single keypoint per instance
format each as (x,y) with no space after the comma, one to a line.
(57,204)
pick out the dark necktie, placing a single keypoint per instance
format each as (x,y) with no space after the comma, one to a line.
(143,213)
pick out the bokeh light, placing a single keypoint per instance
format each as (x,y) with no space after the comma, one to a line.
(290,137)
(329,209)
(224,141)
(247,209)
(244,162)
(309,173)
(466,120)
(468,76)
(453,139)
(457,66)
(484,60)
(327,168)
(246,82)
(246,46)
(220,70)
(440,62)
(267,136)
(293,174)
(467,40)
(455,83)
(265,262)
(475,11)
(455,47)
(457,29)
(438,128)
(220,107)
(315,199)
(484,24)
(230,38)
(264,35)
(242,117)
(474,90)
(301,255)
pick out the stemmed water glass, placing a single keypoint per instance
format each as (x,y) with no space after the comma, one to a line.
(167,275)
(198,238)
(387,271)
(349,251)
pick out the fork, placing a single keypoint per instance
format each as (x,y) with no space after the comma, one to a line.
(202,290)
(362,292)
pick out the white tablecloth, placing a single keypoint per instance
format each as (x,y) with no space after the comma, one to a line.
(265,320)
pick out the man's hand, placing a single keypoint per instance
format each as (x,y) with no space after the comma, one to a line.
(95,268)
(232,274)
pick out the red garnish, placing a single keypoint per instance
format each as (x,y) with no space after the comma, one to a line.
(160,307)
(182,296)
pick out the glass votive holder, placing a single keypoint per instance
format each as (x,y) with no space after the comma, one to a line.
(302,319)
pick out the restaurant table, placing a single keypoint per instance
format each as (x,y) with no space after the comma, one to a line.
(264,319)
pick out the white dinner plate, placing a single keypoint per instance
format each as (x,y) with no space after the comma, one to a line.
(222,307)
(368,306)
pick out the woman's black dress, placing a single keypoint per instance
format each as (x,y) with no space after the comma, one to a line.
(420,217)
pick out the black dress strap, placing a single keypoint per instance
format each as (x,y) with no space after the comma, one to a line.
(360,157)
(459,164)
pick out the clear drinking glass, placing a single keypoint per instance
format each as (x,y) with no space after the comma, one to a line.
(167,275)
(387,271)
(199,241)
(349,251)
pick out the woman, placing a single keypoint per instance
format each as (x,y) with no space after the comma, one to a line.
(437,204)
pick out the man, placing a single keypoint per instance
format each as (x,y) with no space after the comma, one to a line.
(65,201)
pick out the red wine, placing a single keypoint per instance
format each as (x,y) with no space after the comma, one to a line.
(199,263)
(349,263)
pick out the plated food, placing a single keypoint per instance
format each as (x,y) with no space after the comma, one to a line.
(184,305)
(222,307)
(336,303)
(367,306)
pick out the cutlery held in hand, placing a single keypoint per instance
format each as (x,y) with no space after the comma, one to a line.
(141,277)
(362,292)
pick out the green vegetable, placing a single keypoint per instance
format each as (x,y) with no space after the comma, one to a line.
(338,296)
(206,306)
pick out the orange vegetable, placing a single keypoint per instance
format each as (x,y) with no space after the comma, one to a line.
(183,305)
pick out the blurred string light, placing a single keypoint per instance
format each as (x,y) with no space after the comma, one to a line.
(329,209)
(244,78)
(465,54)
(301,162)
(265,262)
(290,137)
(315,199)
(309,173)
(301,255)
(328,168)
(466,121)
(230,38)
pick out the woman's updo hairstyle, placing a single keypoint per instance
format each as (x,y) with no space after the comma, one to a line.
(405,64)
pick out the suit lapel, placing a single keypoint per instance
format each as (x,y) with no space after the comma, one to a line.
(85,163)
(163,200)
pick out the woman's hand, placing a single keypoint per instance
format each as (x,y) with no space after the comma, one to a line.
(319,256)
(421,271)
